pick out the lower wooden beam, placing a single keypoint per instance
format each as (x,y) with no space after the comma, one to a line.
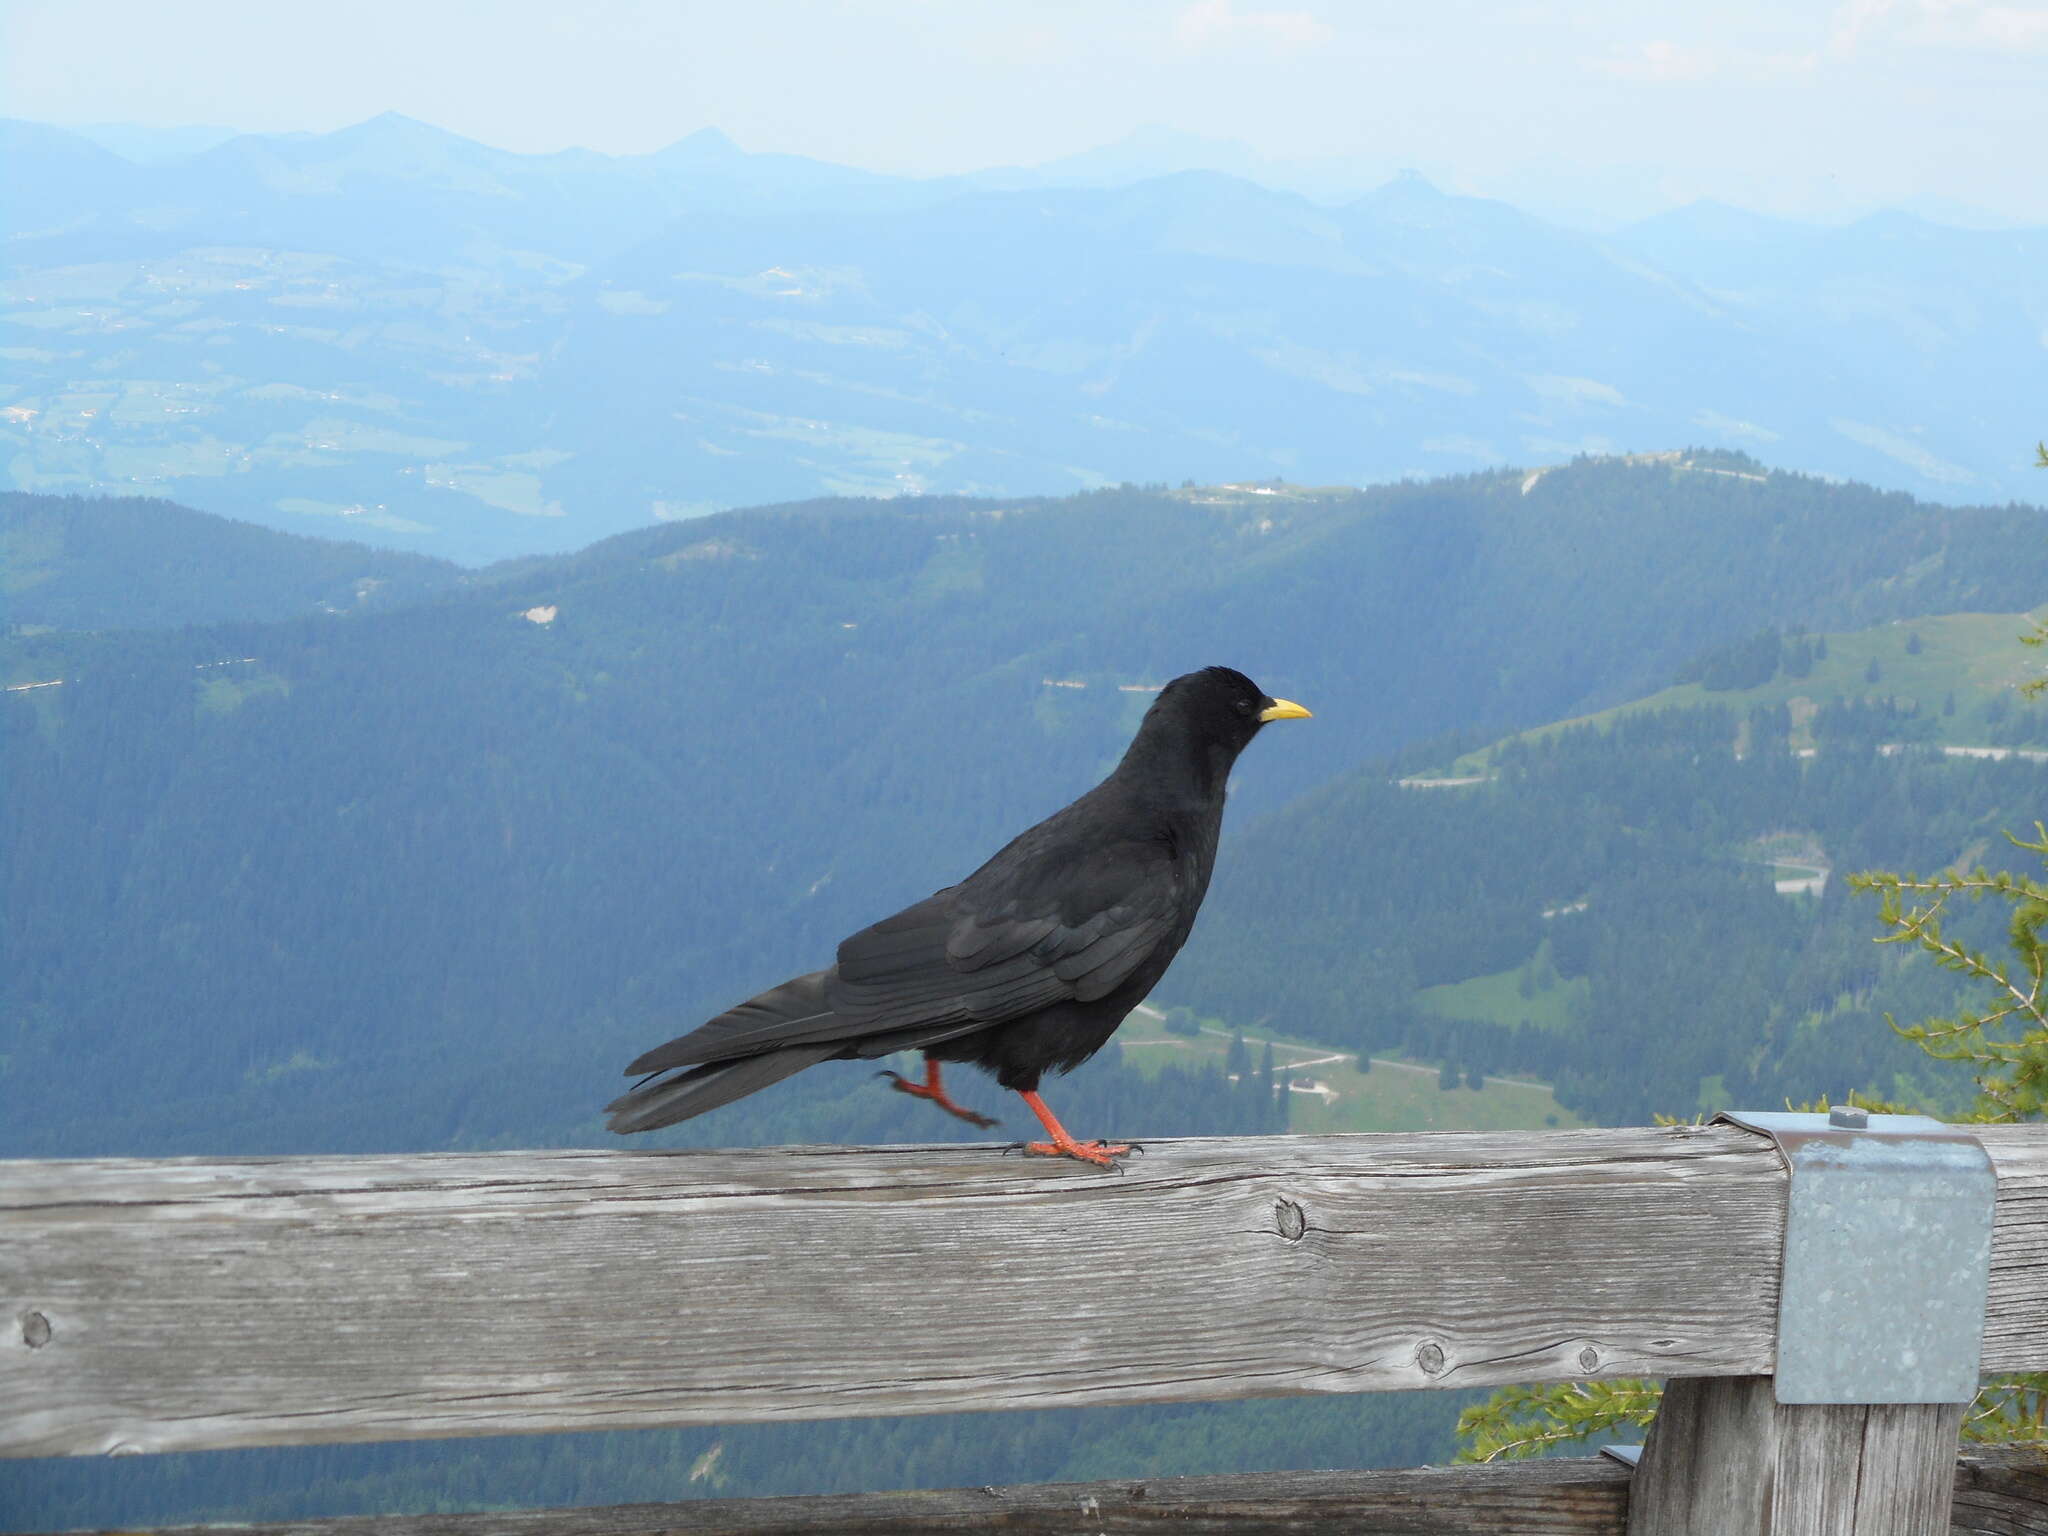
(1725,1458)
(1998,1492)
(1525,1498)
(2002,1491)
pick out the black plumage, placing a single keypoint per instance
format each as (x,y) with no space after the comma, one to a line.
(1027,965)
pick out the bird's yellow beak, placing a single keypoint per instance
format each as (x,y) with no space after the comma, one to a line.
(1284,709)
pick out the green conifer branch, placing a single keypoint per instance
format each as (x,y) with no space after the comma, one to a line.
(1517,1422)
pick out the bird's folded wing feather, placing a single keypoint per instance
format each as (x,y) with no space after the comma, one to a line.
(1029,929)
(1019,934)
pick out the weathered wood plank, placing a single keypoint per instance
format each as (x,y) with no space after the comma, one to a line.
(1999,1492)
(1704,1468)
(1907,1468)
(194,1304)
(197,1304)
(1724,1458)
(1529,1498)
(2016,1327)
(2002,1492)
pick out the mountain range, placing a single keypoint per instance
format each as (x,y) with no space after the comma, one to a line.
(318,847)
(513,816)
(416,340)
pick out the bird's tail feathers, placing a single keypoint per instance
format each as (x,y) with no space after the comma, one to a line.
(794,1013)
(706,1087)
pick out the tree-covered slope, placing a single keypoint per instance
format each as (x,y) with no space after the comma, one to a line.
(459,860)
(1646,907)
(427,875)
(75,562)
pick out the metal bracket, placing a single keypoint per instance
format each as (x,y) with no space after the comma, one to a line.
(1887,1256)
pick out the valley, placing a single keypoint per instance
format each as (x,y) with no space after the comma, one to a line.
(364,851)
(525,526)
(1327,1092)
(395,334)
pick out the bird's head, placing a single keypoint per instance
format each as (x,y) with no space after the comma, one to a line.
(1222,706)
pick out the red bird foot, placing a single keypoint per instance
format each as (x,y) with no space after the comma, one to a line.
(935,1090)
(1102,1154)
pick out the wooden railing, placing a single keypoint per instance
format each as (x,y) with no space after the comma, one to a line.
(192,1304)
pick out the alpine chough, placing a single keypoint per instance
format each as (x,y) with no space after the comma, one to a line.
(1029,963)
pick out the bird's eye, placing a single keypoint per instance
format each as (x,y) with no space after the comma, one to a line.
(1244,706)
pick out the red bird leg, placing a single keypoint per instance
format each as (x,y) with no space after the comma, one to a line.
(1101,1153)
(931,1088)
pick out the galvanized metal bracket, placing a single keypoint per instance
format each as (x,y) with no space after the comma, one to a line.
(1887,1256)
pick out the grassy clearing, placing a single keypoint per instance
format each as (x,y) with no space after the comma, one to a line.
(1962,675)
(1500,996)
(1393,1096)
(223,695)
(509,490)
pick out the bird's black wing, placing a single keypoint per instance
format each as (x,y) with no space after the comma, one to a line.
(1042,923)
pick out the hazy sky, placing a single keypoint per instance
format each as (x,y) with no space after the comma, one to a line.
(1781,104)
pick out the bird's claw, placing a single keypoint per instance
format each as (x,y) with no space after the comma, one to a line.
(1097,1154)
(938,1096)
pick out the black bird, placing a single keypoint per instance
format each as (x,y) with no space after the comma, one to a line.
(1029,963)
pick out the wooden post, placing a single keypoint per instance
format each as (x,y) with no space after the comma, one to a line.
(1725,1458)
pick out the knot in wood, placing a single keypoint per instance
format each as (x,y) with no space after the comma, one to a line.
(1589,1359)
(1290,1219)
(35,1329)
(1430,1357)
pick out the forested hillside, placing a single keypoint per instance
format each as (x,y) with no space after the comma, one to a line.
(426,874)
(1605,911)
(72,562)
(453,858)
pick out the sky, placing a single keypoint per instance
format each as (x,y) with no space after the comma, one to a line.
(1613,107)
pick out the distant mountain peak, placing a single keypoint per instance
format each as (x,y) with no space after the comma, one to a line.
(1411,198)
(1408,185)
(395,128)
(706,144)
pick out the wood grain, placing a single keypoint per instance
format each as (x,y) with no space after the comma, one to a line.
(1999,1492)
(1530,1498)
(1724,1458)
(2016,1326)
(191,1304)
(1706,1463)
(2002,1492)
